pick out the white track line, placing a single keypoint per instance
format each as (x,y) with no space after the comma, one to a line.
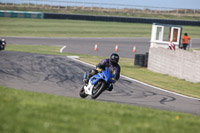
(61,50)
(159,88)
(141,82)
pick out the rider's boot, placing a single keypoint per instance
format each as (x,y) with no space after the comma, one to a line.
(110,88)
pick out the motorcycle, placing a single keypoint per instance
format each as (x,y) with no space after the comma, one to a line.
(97,84)
(2,44)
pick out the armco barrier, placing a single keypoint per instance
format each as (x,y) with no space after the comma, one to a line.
(120,19)
(21,14)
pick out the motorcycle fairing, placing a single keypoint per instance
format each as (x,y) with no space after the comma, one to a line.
(105,75)
(88,88)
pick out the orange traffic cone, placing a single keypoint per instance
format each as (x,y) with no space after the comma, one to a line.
(116,48)
(134,49)
(96,47)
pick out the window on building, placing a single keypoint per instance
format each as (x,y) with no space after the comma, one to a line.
(167,34)
(159,33)
(175,35)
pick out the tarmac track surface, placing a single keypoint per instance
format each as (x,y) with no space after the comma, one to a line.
(63,76)
(86,45)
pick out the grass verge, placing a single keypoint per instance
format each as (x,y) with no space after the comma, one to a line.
(76,28)
(127,69)
(30,112)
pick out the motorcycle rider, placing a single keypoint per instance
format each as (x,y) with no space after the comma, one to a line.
(2,44)
(113,66)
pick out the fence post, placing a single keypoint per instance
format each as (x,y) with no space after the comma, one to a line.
(13,2)
(83,5)
(91,7)
(176,11)
(59,5)
(51,4)
(66,5)
(43,4)
(21,2)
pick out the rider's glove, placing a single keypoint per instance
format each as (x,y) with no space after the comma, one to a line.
(99,69)
(113,80)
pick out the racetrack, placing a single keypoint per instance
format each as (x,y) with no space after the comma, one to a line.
(86,45)
(63,76)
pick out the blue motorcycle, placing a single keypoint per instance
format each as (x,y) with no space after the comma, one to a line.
(97,84)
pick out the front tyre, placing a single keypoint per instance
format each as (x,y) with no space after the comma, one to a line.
(82,93)
(98,89)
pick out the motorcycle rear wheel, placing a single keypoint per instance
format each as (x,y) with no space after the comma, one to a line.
(98,89)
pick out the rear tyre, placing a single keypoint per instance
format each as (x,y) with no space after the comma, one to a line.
(98,89)
(82,93)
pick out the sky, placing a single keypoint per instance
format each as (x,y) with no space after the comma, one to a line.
(189,4)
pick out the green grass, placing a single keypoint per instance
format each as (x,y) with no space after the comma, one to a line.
(34,48)
(74,28)
(127,68)
(30,112)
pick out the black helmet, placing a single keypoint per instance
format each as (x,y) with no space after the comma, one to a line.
(114,58)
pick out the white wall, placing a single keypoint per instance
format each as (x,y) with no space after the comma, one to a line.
(179,63)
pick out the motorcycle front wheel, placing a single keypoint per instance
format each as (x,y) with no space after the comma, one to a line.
(82,93)
(98,88)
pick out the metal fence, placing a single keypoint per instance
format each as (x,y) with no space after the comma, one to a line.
(71,5)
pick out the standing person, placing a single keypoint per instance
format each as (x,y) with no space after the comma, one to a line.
(185,41)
